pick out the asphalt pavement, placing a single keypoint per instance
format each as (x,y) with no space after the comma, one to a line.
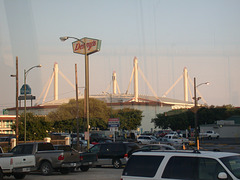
(221,144)
(105,173)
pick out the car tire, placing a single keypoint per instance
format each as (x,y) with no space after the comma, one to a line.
(140,142)
(84,168)
(117,163)
(46,168)
(1,174)
(19,176)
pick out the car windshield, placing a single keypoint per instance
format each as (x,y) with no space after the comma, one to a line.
(233,164)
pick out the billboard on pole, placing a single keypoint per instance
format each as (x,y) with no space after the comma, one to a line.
(92,46)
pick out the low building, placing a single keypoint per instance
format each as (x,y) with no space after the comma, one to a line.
(6,122)
(150,105)
(229,128)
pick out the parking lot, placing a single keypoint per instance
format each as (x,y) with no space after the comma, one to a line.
(106,173)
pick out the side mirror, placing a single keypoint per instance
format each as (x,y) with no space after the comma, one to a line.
(222,175)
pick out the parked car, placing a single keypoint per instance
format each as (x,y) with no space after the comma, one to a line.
(82,144)
(47,158)
(115,154)
(201,165)
(155,147)
(83,160)
(6,138)
(146,139)
(176,140)
(18,166)
(161,133)
(209,135)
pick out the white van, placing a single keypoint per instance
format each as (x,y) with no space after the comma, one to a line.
(190,165)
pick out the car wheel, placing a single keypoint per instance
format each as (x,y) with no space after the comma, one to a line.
(117,163)
(84,168)
(19,175)
(209,137)
(46,168)
(140,142)
(1,174)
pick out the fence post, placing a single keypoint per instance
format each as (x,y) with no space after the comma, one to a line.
(67,140)
(47,139)
(13,142)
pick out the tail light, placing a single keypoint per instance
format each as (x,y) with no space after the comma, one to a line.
(61,157)
(11,161)
(126,156)
(81,158)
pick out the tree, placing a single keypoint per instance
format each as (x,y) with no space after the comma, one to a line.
(182,119)
(64,118)
(130,119)
(37,127)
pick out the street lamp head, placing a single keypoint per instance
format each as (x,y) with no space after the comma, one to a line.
(207,83)
(64,38)
(39,65)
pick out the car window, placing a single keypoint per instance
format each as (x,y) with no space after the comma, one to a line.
(180,168)
(131,147)
(143,166)
(95,149)
(45,146)
(233,164)
(28,148)
(208,169)
(17,150)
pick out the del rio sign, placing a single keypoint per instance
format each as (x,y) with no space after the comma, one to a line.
(92,46)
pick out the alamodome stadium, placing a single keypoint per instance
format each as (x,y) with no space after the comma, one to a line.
(150,105)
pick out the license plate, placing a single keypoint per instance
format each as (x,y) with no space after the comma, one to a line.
(25,169)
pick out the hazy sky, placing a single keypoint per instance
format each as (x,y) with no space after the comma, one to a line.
(165,36)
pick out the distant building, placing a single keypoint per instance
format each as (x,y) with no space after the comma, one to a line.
(6,122)
(229,128)
(150,106)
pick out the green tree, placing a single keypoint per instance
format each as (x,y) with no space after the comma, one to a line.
(64,118)
(37,127)
(130,119)
(182,119)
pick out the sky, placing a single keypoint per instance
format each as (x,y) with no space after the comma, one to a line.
(165,36)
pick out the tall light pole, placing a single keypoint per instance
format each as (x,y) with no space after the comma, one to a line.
(25,97)
(89,46)
(16,75)
(196,99)
(77,115)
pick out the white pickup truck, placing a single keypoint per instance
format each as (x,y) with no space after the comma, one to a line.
(18,166)
(209,135)
(175,140)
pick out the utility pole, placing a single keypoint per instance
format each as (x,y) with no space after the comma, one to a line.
(77,106)
(16,76)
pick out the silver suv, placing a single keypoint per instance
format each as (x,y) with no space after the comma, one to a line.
(190,165)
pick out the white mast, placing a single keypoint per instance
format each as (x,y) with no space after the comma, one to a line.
(56,81)
(135,79)
(185,83)
(114,80)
